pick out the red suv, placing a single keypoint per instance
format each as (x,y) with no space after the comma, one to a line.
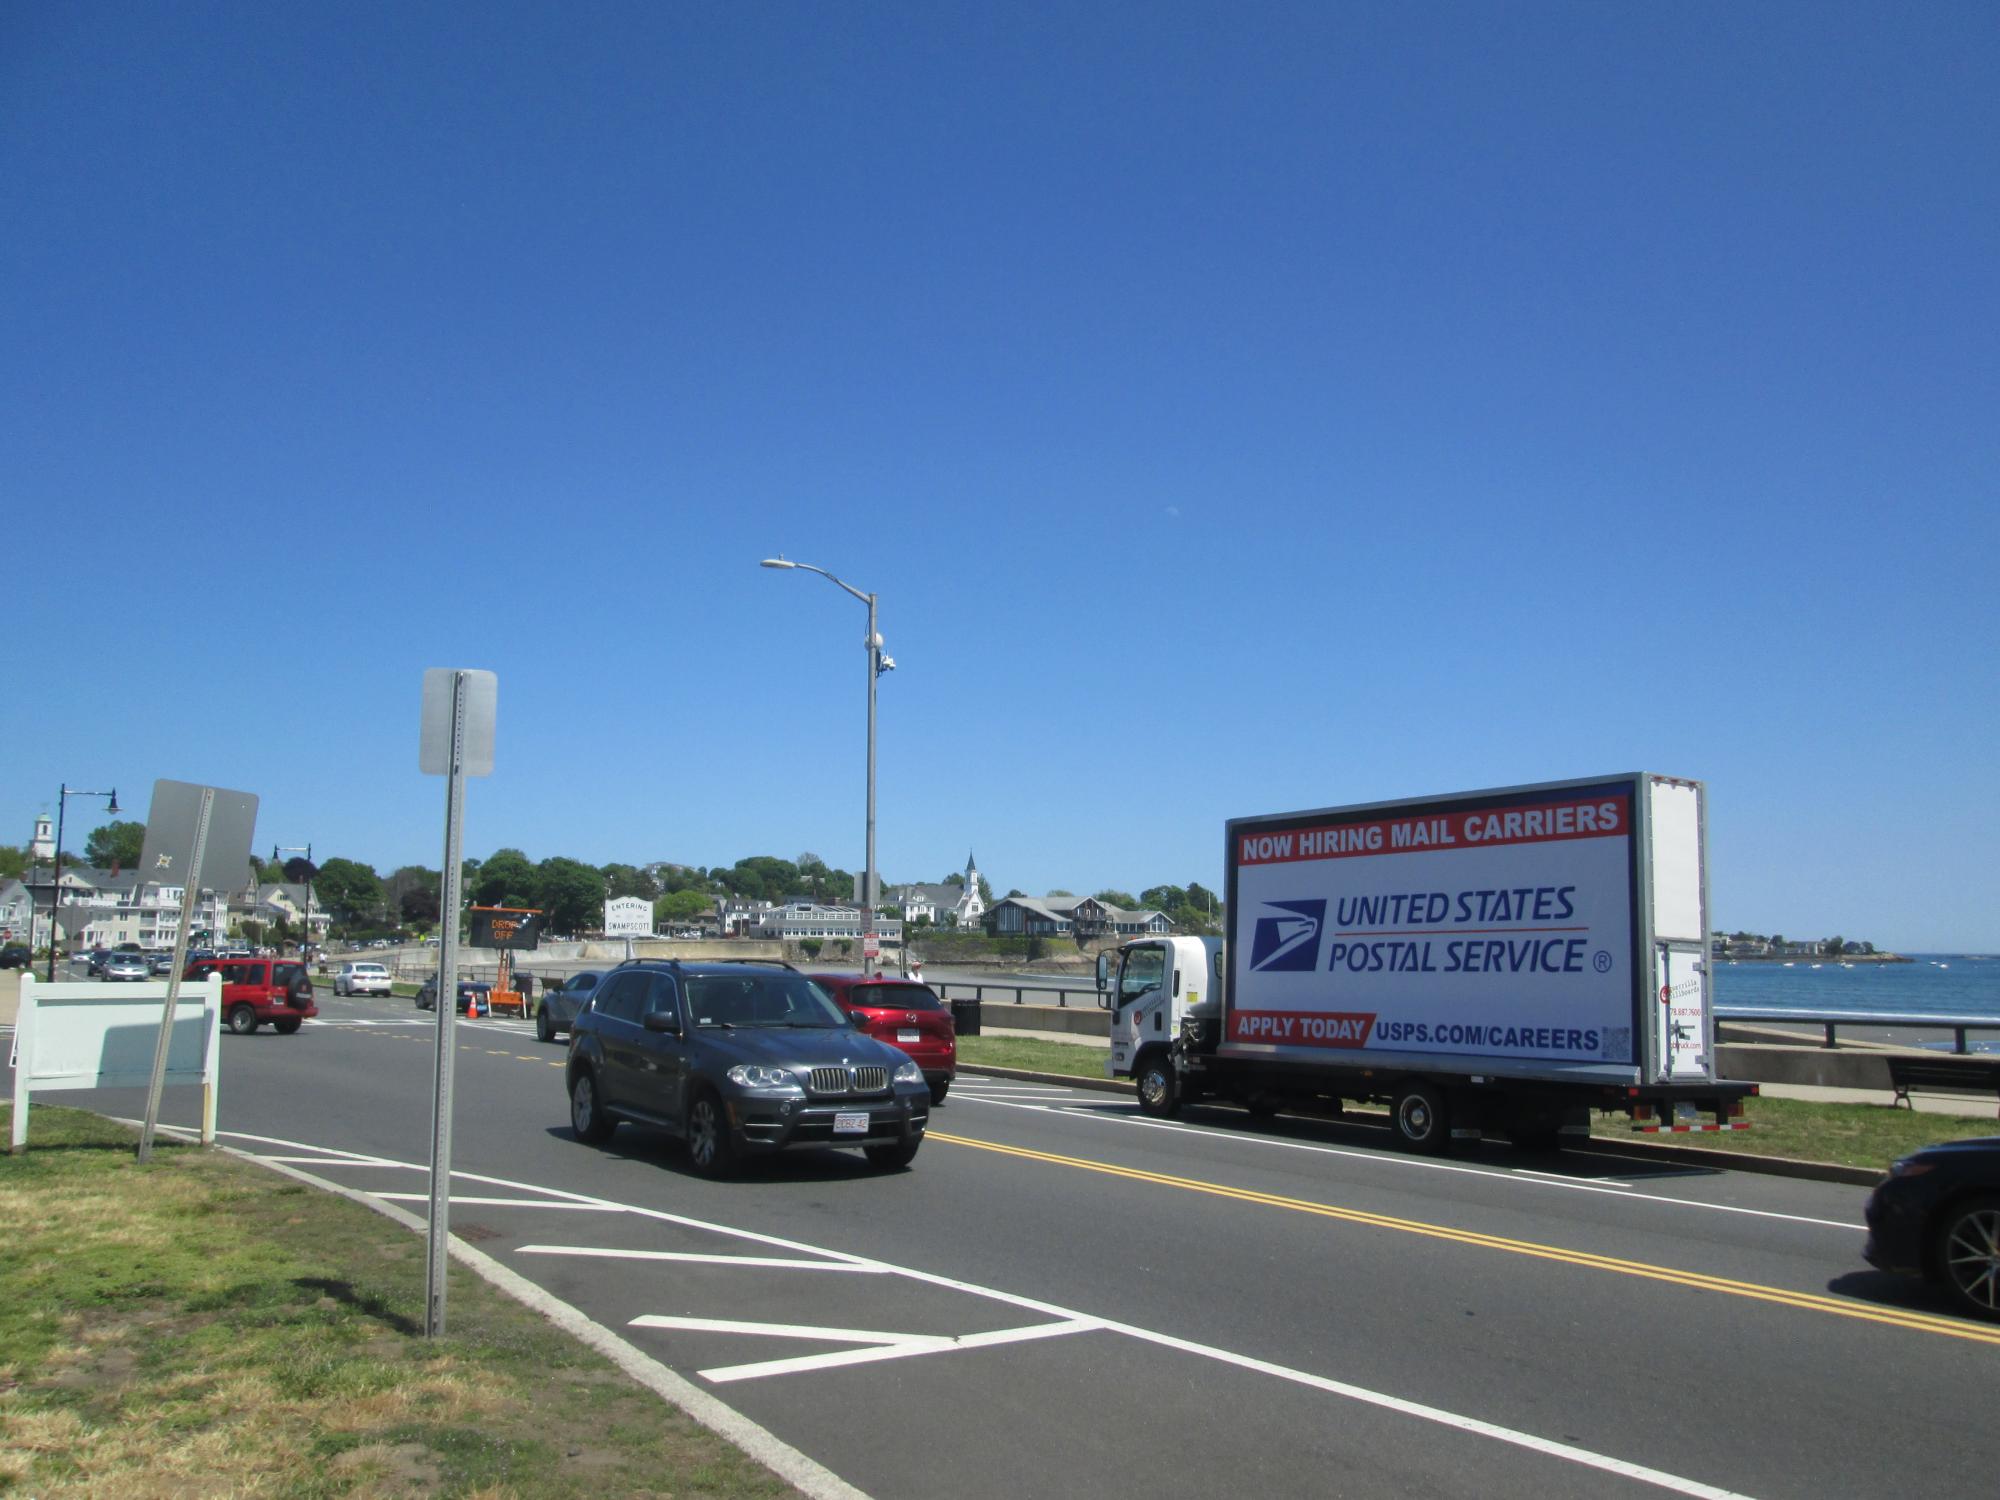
(256,990)
(906,1015)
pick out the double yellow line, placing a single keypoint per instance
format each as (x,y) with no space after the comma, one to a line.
(1807,1301)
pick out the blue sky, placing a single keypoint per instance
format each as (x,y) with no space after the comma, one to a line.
(1237,408)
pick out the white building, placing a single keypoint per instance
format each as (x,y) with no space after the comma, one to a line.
(946,905)
(806,919)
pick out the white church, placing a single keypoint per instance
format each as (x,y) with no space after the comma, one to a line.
(945,905)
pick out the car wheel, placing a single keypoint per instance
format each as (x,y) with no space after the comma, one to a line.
(242,1020)
(1159,1088)
(938,1091)
(284,1028)
(1967,1251)
(889,1158)
(586,1116)
(544,1032)
(710,1149)
(1419,1118)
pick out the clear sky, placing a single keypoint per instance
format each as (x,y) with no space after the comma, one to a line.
(1237,408)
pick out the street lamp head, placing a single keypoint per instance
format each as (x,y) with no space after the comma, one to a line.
(776,562)
(114,807)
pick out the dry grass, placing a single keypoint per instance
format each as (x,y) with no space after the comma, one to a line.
(199,1328)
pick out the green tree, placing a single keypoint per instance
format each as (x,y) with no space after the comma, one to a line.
(1202,896)
(814,872)
(350,891)
(1166,898)
(13,862)
(1061,893)
(680,906)
(115,845)
(628,880)
(508,879)
(571,892)
(418,906)
(299,870)
(1121,899)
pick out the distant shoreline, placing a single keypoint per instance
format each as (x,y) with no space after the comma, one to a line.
(1800,958)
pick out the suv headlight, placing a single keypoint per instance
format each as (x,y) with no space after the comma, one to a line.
(757,1076)
(910,1073)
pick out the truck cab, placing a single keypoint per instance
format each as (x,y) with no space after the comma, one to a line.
(1151,986)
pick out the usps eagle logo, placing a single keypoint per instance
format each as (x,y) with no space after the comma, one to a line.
(1287,942)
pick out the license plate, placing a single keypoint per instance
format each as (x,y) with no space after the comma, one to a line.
(909,1036)
(850,1124)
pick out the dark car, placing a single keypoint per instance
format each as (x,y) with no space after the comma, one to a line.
(562,1004)
(1937,1215)
(472,996)
(15,956)
(736,1058)
(97,957)
(904,1013)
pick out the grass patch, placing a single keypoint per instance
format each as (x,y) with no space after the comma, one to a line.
(1854,1135)
(200,1326)
(1070,1059)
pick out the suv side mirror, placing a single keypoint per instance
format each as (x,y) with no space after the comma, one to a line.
(660,1020)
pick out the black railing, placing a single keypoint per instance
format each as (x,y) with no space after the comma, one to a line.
(1832,1020)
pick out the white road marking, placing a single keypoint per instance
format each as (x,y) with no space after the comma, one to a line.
(459,1201)
(1512,1174)
(897,1346)
(767,1261)
(1566,1452)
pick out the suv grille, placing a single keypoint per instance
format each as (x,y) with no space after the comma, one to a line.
(849,1080)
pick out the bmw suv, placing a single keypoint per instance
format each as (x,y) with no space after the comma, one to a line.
(736,1058)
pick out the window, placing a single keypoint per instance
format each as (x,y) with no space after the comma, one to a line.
(1144,969)
(621,997)
(662,997)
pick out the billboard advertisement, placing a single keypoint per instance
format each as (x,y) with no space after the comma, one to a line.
(1501,928)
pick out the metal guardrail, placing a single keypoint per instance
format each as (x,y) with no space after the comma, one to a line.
(1832,1020)
(1062,992)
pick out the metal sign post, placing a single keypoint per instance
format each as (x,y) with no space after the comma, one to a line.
(215,827)
(457,742)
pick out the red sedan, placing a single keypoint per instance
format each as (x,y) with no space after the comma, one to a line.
(904,1014)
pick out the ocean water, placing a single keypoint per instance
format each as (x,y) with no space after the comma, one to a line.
(1954,984)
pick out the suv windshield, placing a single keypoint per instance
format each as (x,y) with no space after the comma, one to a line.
(760,1000)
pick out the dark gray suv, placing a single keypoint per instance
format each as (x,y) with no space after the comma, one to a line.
(736,1058)
(562,1004)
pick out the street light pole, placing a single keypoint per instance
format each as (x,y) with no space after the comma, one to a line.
(55,881)
(877,665)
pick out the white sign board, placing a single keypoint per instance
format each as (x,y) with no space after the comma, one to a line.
(103,1036)
(1503,930)
(482,697)
(628,916)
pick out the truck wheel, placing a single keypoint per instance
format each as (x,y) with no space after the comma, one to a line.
(1420,1120)
(1967,1255)
(1159,1088)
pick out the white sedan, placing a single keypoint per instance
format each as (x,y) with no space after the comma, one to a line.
(361,979)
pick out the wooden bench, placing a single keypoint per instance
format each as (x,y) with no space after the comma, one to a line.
(1949,1075)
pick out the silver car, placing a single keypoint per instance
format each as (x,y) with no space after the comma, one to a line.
(127,966)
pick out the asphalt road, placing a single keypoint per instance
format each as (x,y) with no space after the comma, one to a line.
(1060,1297)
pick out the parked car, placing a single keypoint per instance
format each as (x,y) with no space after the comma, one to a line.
(1937,1215)
(127,966)
(160,960)
(95,960)
(469,990)
(736,1058)
(260,990)
(361,979)
(15,956)
(905,1014)
(561,1004)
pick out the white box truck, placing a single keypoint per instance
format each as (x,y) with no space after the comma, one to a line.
(1493,962)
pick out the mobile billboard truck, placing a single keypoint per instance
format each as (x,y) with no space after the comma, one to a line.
(1496,962)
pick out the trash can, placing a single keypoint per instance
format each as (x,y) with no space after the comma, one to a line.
(965,1017)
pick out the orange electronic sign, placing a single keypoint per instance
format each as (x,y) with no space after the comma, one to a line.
(504,927)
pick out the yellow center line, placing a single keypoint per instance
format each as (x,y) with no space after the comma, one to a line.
(1808,1301)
